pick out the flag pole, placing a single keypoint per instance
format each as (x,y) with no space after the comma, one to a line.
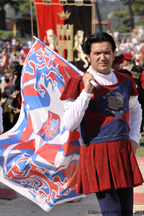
(31,19)
(93,16)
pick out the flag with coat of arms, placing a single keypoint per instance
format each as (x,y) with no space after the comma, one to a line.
(38,156)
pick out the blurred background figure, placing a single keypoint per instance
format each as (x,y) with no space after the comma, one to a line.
(116,35)
(122,46)
(1,117)
(7,89)
(11,100)
(128,61)
(16,95)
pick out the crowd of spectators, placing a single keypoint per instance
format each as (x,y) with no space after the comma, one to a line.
(12,57)
(130,59)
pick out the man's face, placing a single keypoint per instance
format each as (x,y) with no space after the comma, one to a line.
(101,57)
(141,63)
(125,63)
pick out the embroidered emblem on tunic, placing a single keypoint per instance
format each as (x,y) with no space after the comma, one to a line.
(115,102)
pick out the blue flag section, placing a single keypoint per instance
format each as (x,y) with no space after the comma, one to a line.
(38,156)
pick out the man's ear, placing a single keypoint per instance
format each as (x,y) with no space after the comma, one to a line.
(88,58)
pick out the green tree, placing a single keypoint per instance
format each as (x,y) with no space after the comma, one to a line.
(24,7)
(14,4)
(135,9)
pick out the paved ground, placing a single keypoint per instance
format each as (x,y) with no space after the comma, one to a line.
(21,206)
(88,206)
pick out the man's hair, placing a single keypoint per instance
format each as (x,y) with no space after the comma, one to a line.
(98,38)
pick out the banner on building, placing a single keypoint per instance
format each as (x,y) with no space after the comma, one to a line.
(64,25)
(38,156)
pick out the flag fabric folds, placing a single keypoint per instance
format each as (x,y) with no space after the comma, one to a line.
(64,25)
(38,156)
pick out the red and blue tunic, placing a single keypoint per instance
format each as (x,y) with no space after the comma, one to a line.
(107,160)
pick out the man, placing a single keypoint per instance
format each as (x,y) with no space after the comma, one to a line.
(128,61)
(117,62)
(116,65)
(109,118)
(141,62)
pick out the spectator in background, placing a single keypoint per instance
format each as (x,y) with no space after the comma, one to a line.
(13,44)
(16,96)
(134,37)
(7,87)
(1,44)
(128,61)
(117,47)
(141,64)
(128,46)
(8,46)
(141,61)
(122,46)
(29,44)
(117,62)
(116,35)
(24,51)
(1,117)
(117,65)
(142,49)
(17,47)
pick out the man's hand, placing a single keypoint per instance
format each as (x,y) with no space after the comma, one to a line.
(134,145)
(88,87)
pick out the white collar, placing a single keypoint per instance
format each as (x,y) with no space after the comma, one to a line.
(103,79)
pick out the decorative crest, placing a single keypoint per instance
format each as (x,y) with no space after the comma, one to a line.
(64,15)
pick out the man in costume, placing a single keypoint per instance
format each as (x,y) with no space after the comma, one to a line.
(109,118)
(135,72)
(128,61)
(117,64)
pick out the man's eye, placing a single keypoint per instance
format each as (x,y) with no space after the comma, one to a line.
(107,53)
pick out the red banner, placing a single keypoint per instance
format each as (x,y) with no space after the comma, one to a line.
(64,28)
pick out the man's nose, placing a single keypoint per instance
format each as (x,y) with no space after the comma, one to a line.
(102,56)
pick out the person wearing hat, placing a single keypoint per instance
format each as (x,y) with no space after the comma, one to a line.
(128,66)
(137,74)
(117,62)
(128,61)
(116,66)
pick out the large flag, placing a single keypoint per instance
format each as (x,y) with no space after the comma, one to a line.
(38,156)
(64,25)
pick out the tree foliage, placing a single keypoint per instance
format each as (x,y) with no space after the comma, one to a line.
(23,22)
(107,7)
(133,15)
(13,4)
(24,7)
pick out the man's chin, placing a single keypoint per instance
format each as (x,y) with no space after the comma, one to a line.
(104,71)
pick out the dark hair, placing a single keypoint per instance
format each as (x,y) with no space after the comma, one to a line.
(98,38)
(14,64)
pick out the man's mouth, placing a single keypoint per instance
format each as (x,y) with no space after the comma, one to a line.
(102,63)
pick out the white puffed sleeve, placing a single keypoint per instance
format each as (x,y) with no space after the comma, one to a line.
(74,110)
(135,118)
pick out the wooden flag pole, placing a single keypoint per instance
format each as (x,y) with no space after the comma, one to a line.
(31,19)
